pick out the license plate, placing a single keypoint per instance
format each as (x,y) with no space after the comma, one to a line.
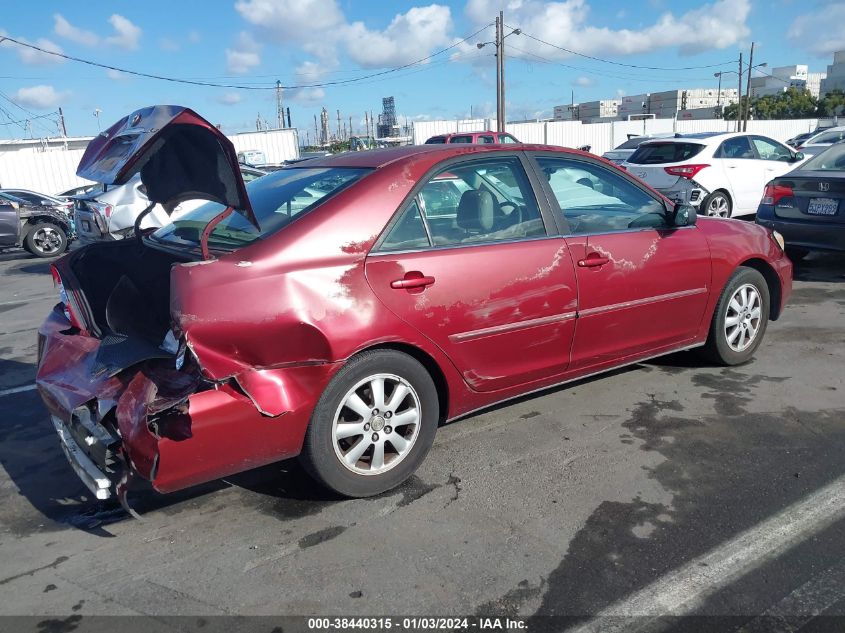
(822,206)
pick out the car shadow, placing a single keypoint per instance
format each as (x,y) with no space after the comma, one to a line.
(820,267)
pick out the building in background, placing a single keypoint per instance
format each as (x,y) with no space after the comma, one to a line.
(325,136)
(669,104)
(387,126)
(835,78)
(784,77)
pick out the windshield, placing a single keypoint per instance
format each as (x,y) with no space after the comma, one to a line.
(827,137)
(277,200)
(435,139)
(832,159)
(654,153)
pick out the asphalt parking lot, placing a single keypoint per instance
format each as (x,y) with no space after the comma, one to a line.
(667,487)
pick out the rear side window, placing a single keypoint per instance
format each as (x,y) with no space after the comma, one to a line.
(461,139)
(656,153)
(507,138)
(485,139)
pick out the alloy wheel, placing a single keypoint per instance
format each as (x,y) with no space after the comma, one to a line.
(376,424)
(47,240)
(718,207)
(742,320)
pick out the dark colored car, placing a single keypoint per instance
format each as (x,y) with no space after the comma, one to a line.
(807,205)
(473,138)
(41,230)
(329,314)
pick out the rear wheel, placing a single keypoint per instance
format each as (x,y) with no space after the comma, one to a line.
(45,240)
(740,319)
(717,205)
(373,425)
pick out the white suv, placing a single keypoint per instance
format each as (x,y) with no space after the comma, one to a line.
(720,174)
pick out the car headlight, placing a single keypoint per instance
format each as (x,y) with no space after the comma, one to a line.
(778,238)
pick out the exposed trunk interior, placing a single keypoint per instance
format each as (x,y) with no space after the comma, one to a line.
(126,286)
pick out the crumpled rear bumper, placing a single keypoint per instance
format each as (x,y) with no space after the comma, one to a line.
(169,427)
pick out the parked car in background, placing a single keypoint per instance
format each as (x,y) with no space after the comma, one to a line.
(819,142)
(40,199)
(807,205)
(251,157)
(719,174)
(332,318)
(41,230)
(78,191)
(110,214)
(798,139)
(621,153)
(476,138)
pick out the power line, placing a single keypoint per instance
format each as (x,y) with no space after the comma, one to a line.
(32,115)
(272,86)
(24,121)
(610,61)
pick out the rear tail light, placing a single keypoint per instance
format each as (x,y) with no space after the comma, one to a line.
(66,307)
(107,211)
(684,171)
(774,193)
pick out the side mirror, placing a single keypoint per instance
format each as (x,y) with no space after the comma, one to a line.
(683,215)
(797,156)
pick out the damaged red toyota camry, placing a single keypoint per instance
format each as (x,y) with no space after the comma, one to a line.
(341,310)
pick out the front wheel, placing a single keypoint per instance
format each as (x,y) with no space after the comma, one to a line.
(46,240)
(740,319)
(373,425)
(717,205)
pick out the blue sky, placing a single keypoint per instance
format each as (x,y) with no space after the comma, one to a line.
(304,42)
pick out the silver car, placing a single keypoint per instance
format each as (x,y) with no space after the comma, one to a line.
(111,214)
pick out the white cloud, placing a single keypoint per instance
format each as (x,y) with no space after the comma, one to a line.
(819,32)
(230,98)
(32,57)
(65,29)
(126,34)
(582,81)
(244,57)
(40,97)
(323,31)
(309,96)
(717,25)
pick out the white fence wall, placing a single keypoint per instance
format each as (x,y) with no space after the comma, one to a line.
(602,137)
(54,170)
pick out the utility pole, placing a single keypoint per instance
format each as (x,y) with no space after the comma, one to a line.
(339,131)
(62,127)
(748,89)
(500,87)
(280,111)
(316,132)
(288,110)
(350,125)
(739,98)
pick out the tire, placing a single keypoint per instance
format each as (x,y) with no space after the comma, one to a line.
(717,204)
(46,240)
(728,343)
(328,450)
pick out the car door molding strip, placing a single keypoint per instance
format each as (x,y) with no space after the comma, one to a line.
(639,302)
(511,327)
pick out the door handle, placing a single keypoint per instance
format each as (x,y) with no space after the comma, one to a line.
(411,280)
(593,260)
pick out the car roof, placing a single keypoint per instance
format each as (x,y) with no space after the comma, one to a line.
(709,138)
(377,158)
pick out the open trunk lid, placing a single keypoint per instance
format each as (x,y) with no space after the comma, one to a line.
(179,155)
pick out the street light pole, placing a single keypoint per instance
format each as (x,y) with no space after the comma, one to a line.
(500,56)
(739,98)
(748,89)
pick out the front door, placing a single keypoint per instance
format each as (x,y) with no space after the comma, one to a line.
(469,263)
(642,286)
(743,171)
(10,224)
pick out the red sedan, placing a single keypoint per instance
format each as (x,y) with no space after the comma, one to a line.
(345,308)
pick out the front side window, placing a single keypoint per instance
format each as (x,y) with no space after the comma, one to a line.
(736,147)
(277,200)
(594,199)
(488,200)
(769,150)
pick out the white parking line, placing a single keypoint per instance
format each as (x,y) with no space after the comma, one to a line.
(9,392)
(684,590)
(809,600)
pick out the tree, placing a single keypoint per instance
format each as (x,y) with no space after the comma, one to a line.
(791,104)
(832,104)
